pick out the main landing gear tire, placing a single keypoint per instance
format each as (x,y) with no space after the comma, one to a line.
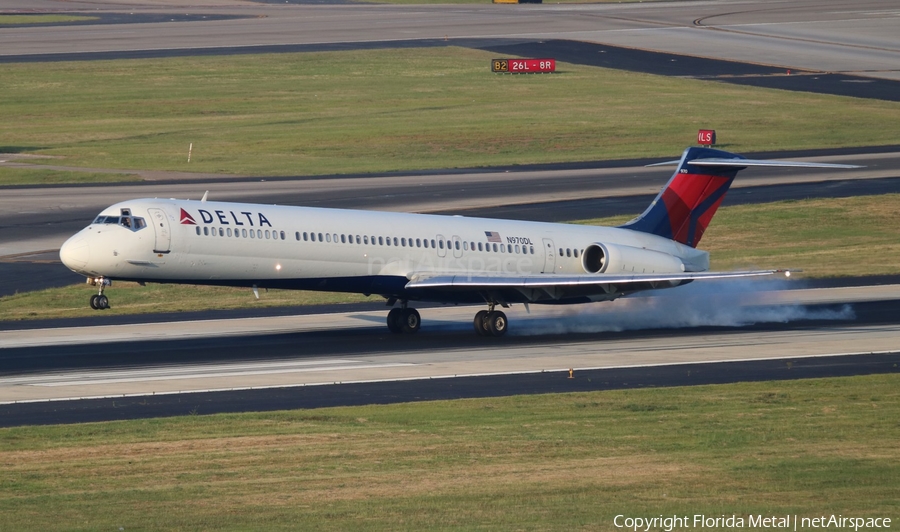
(480,325)
(496,323)
(393,320)
(404,320)
(492,323)
(99,302)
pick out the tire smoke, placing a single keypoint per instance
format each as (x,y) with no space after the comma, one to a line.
(723,303)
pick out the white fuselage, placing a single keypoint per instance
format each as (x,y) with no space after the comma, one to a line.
(333,249)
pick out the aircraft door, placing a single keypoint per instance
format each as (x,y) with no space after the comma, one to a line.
(161,229)
(549,256)
(457,247)
(441,242)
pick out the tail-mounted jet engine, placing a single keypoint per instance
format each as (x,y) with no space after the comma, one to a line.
(618,259)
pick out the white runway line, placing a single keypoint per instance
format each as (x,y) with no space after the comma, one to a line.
(190,372)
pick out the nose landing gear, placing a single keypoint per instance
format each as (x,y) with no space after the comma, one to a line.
(99,301)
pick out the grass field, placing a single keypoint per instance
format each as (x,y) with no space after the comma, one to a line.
(13,20)
(829,237)
(30,176)
(543,462)
(383,110)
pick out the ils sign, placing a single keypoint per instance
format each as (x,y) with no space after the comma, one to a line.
(706,137)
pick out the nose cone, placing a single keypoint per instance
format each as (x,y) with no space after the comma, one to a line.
(75,253)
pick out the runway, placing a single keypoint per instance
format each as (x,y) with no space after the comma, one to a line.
(168,364)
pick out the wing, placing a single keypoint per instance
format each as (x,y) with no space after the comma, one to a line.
(551,288)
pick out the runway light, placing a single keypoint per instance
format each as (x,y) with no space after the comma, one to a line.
(787,273)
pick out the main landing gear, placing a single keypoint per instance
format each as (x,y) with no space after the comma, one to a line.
(404,320)
(99,301)
(407,320)
(491,322)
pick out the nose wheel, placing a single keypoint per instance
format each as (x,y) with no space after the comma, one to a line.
(99,301)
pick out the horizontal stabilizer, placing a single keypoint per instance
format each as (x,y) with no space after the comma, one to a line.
(745,163)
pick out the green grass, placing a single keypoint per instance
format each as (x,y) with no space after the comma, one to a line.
(384,110)
(543,462)
(41,19)
(40,176)
(825,238)
(131,298)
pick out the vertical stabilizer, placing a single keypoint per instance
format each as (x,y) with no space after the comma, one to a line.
(683,210)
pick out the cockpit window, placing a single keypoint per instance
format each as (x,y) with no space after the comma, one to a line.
(126,220)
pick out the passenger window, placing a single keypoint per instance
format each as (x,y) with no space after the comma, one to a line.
(228,231)
(206,231)
(358,240)
(381,241)
(305,236)
(456,244)
(252,234)
(418,242)
(297,234)
(441,242)
(365,239)
(568,252)
(327,237)
(198,229)
(517,249)
(395,241)
(425,242)
(532,249)
(343,239)
(244,233)
(320,238)
(575,253)
(281,234)
(259,233)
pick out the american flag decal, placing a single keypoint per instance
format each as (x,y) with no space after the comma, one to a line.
(492,236)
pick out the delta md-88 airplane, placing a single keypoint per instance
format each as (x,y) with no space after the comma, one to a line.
(415,257)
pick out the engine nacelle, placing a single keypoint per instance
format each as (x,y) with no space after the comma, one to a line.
(613,258)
